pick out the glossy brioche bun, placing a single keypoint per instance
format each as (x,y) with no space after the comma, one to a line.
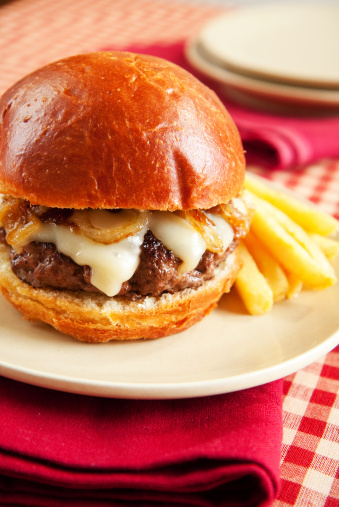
(117,130)
(97,318)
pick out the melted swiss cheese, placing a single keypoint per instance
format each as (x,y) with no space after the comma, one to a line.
(116,263)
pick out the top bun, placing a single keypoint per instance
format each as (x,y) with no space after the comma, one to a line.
(117,130)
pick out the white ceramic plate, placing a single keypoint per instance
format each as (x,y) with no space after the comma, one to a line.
(297,43)
(258,92)
(228,351)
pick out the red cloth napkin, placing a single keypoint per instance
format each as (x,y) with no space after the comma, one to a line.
(60,449)
(273,141)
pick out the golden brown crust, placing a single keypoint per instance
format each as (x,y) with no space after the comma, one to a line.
(117,130)
(97,318)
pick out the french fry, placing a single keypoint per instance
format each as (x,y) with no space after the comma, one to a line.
(291,245)
(252,285)
(269,267)
(304,214)
(295,285)
(329,246)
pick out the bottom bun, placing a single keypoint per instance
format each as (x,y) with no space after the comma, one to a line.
(98,318)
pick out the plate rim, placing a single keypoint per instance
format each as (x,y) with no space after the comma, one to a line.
(183,390)
(277,10)
(257,87)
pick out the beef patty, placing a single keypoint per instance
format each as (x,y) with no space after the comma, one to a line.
(41,265)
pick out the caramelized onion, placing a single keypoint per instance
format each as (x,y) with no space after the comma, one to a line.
(205,227)
(239,219)
(18,220)
(39,210)
(106,227)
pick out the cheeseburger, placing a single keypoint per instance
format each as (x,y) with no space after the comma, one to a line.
(121,181)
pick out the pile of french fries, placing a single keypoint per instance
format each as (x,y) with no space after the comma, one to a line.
(289,248)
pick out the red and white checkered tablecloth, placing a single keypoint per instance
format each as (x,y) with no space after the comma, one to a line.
(35,32)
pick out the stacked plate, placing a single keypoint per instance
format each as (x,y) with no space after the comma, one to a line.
(273,54)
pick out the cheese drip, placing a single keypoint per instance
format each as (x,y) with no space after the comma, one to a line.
(117,262)
(179,236)
(224,229)
(185,242)
(111,265)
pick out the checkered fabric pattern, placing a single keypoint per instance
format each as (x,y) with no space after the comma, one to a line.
(310,452)
(34,32)
(319,183)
